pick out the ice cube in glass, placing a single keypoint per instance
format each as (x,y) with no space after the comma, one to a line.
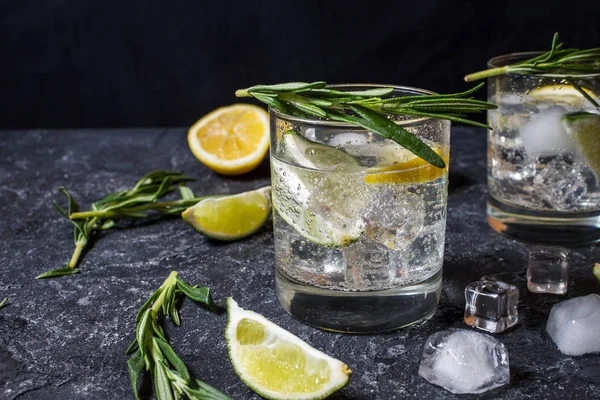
(491,305)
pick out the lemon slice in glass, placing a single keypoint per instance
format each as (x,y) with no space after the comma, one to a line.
(584,129)
(277,364)
(230,217)
(560,95)
(407,169)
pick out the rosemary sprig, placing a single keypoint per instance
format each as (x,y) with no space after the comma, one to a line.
(368,109)
(153,352)
(558,62)
(133,203)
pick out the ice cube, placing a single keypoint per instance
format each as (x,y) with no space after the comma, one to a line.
(574,325)
(560,184)
(491,305)
(545,134)
(463,361)
(368,266)
(548,269)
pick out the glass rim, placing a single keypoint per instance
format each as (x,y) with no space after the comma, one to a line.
(502,60)
(309,121)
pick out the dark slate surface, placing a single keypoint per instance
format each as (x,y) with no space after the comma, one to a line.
(65,338)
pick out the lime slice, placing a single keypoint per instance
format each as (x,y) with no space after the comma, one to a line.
(299,150)
(277,364)
(560,95)
(597,271)
(230,217)
(321,201)
(584,128)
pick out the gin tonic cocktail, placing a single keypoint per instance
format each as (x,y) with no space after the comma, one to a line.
(359,221)
(544,155)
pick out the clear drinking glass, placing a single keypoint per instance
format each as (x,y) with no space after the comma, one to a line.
(359,222)
(543,157)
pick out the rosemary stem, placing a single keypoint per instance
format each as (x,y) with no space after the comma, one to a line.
(242,93)
(485,74)
(77,253)
(82,243)
(152,206)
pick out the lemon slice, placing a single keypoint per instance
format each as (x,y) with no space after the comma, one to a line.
(559,95)
(408,169)
(277,364)
(231,140)
(230,217)
(584,129)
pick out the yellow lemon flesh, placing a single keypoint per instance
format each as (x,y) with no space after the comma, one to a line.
(560,94)
(231,140)
(230,217)
(277,364)
(408,169)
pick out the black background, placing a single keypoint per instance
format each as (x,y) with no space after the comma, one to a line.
(92,63)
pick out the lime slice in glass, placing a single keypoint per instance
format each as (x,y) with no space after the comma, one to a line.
(319,191)
(584,129)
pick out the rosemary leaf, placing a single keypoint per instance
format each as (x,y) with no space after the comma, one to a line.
(136,366)
(201,295)
(161,383)
(58,272)
(3,303)
(286,87)
(173,358)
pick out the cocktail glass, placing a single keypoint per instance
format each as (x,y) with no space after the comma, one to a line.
(544,156)
(359,221)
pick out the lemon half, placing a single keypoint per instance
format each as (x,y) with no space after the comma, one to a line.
(231,140)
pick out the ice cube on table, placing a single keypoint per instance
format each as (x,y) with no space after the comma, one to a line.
(491,305)
(545,135)
(548,269)
(574,325)
(463,361)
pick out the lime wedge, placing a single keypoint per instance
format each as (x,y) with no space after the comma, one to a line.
(230,217)
(319,191)
(277,364)
(597,271)
(584,128)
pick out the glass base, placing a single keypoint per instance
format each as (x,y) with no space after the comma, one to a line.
(360,312)
(544,227)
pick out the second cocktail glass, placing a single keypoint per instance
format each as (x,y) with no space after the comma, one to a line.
(543,158)
(359,221)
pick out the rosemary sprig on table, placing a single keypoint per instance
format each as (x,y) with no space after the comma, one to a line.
(153,352)
(368,109)
(558,62)
(133,203)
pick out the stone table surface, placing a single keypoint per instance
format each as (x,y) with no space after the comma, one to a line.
(65,338)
